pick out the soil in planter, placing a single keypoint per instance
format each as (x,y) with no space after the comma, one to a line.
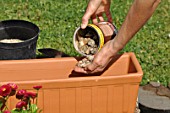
(11,41)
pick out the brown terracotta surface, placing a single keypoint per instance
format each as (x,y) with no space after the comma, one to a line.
(112,91)
(107,30)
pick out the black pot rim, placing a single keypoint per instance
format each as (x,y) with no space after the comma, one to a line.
(25,42)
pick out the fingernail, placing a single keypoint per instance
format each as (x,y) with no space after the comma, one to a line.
(83,26)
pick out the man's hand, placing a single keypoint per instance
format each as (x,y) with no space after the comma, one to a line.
(101,60)
(95,11)
(138,15)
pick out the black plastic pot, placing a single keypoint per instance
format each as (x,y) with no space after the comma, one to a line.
(18,29)
(145,109)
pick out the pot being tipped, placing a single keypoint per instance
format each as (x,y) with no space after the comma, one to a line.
(90,40)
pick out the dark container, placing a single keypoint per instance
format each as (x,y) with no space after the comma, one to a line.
(145,109)
(22,30)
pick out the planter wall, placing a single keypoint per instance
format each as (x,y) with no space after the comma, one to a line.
(113,91)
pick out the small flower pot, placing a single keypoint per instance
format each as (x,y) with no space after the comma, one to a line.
(22,30)
(113,91)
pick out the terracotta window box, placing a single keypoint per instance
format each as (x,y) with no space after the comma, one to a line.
(113,91)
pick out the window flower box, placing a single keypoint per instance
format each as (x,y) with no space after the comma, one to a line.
(113,91)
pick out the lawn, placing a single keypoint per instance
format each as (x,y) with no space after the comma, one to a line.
(57,20)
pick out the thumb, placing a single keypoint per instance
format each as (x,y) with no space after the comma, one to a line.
(91,9)
(91,67)
(85,20)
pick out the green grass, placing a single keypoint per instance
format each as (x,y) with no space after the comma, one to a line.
(57,20)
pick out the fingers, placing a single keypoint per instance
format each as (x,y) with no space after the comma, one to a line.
(86,71)
(91,67)
(95,10)
(109,16)
(84,23)
(91,8)
(94,19)
(100,16)
(80,70)
(85,19)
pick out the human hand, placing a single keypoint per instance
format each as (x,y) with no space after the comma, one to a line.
(95,11)
(100,61)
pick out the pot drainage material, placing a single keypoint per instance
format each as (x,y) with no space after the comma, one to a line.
(11,41)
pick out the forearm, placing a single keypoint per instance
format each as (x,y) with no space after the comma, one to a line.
(139,13)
